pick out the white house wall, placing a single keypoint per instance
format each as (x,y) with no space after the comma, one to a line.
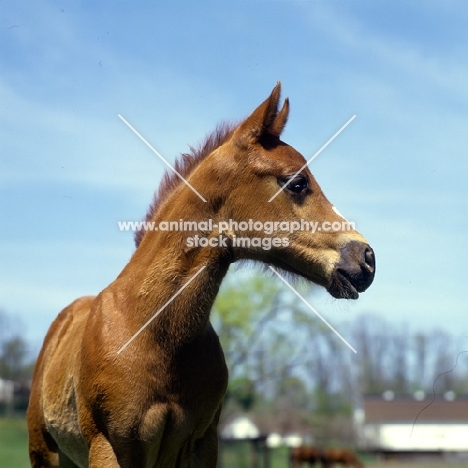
(423,437)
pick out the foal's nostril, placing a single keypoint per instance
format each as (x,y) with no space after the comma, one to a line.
(369,259)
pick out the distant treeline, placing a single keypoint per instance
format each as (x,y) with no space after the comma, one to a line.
(287,366)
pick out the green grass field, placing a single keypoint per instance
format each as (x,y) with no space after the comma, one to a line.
(415,464)
(13,444)
(14,453)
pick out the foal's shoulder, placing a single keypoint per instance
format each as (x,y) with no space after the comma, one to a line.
(75,311)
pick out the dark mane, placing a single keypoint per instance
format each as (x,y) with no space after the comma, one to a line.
(184,165)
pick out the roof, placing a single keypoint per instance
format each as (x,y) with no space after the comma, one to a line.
(406,409)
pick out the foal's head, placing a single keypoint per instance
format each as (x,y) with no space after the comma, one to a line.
(297,229)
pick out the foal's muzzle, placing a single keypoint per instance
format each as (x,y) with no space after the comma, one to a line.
(354,272)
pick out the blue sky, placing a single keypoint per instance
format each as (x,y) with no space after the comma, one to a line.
(70,169)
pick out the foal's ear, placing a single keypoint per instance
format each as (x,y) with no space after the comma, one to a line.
(264,120)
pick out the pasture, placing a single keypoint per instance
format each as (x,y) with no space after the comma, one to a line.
(14,439)
(13,443)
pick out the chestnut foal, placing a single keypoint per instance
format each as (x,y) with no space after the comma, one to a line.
(101,401)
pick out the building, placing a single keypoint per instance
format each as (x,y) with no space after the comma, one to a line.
(413,424)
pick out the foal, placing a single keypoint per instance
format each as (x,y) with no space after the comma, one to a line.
(99,400)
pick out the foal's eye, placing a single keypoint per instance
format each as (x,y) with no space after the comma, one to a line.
(296,184)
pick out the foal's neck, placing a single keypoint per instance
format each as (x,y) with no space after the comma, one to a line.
(177,283)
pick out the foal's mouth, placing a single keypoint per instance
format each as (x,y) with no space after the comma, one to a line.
(342,287)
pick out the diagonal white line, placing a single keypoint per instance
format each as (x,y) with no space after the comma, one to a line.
(314,156)
(161,309)
(312,309)
(159,155)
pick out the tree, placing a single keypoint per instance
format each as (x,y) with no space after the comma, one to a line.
(13,352)
(372,336)
(270,342)
(12,358)
(242,392)
(290,369)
